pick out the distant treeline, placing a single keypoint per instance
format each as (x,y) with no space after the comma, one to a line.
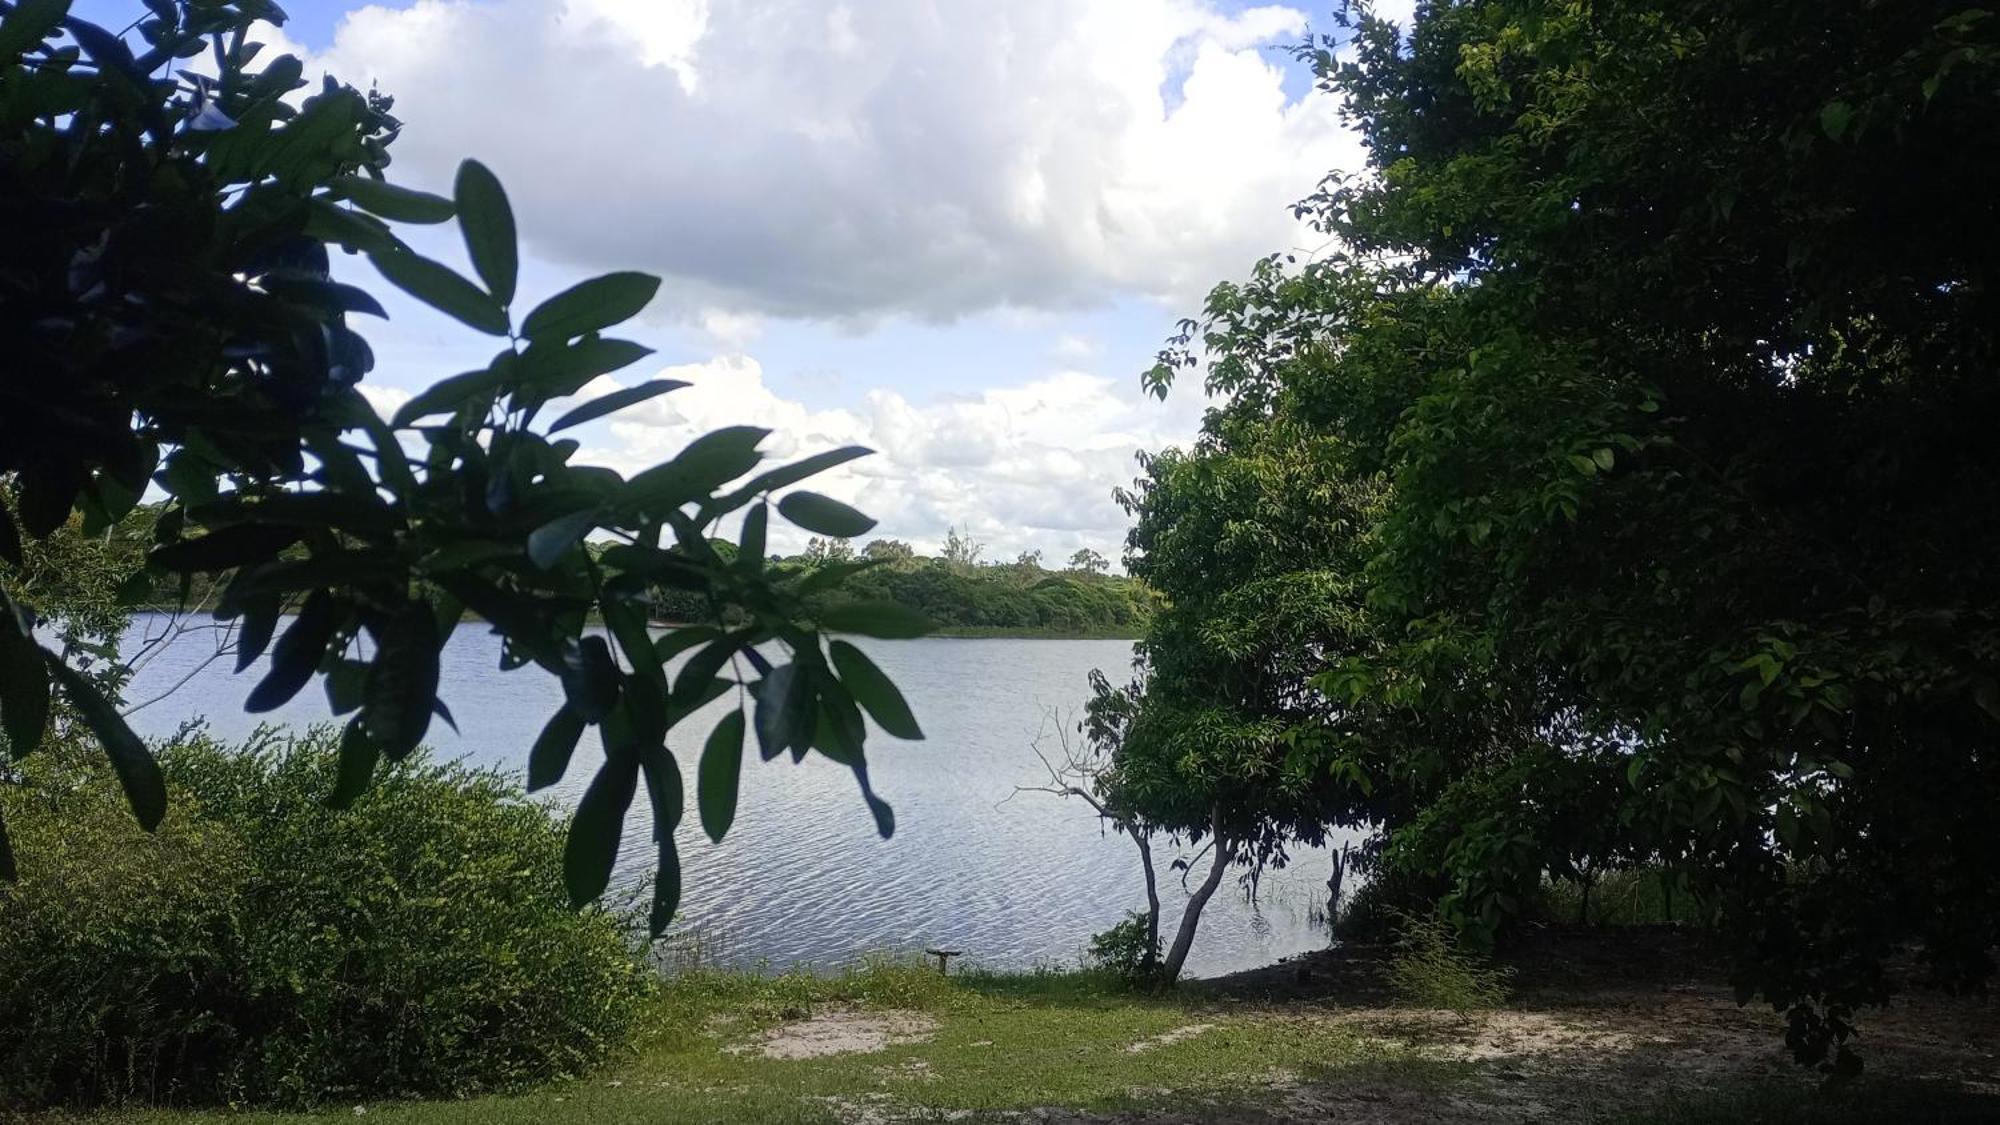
(956,589)
(960,593)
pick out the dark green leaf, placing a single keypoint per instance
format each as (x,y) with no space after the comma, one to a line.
(756,529)
(488,225)
(28,24)
(8,872)
(627,623)
(664,788)
(329,222)
(590,306)
(346,686)
(358,757)
(298,652)
(702,667)
(666,887)
(442,289)
(614,402)
(708,461)
(447,396)
(590,678)
(403,680)
(260,620)
(787,475)
(720,773)
(676,641)
(874,691)
(24,690)
(139,775)
(875,619)
(785,714)
(225,548)
(326,296)
(46,498)
(592,847)
(824,515)
(550,757)
(548,543)
(556,370)
(391,202)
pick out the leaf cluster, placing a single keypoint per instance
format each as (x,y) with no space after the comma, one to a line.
(172,323)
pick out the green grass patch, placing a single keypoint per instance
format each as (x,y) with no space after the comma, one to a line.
(999,1042)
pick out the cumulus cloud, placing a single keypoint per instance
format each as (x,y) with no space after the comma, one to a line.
(858,160)
(1030,466)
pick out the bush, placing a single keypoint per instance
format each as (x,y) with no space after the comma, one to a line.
(1126,950)
(1374,912)
(264,948)
(1431,971)
(1636,896)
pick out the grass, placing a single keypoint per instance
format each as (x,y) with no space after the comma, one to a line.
(1002,1042)
(1022,1041)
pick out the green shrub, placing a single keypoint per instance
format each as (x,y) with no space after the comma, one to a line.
(1126,950)
(1635,896)
(264,948)
(1431,971)
(1374,911)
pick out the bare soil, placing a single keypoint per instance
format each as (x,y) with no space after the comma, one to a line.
(843,1031)
(1603,1024)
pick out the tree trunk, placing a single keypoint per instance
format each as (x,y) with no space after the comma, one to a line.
(1191,917)
(1152,898)
(1333,883)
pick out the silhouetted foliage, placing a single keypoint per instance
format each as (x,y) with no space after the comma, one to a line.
(169,320)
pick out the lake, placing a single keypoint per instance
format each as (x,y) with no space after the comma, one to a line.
(1013,880)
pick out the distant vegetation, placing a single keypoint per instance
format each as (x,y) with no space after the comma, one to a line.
(956,590)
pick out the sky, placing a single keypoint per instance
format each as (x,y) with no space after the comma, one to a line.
(954,231)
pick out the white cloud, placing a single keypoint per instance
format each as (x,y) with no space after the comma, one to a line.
(385,399)
(859,160)
(1071,346)
(1020,467)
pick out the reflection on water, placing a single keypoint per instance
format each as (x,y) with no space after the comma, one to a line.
(1013,880)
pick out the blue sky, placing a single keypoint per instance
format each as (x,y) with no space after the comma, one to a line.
(953,231)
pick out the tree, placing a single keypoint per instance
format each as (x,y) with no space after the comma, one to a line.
(1088,561)
(1223,737)
(1665,334)
(170,322)
(893,552)
(821,550)
(1029,560)
(961,550)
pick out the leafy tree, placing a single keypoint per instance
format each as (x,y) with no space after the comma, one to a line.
(1665,332)
(961,550)
(169,319)
(1088,561)
(893,552)
(1224,737)
(820,551)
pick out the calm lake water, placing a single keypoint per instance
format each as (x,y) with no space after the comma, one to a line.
(1015,881)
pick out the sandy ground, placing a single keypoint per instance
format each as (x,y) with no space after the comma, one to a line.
(841,1032)
(1597,1022)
